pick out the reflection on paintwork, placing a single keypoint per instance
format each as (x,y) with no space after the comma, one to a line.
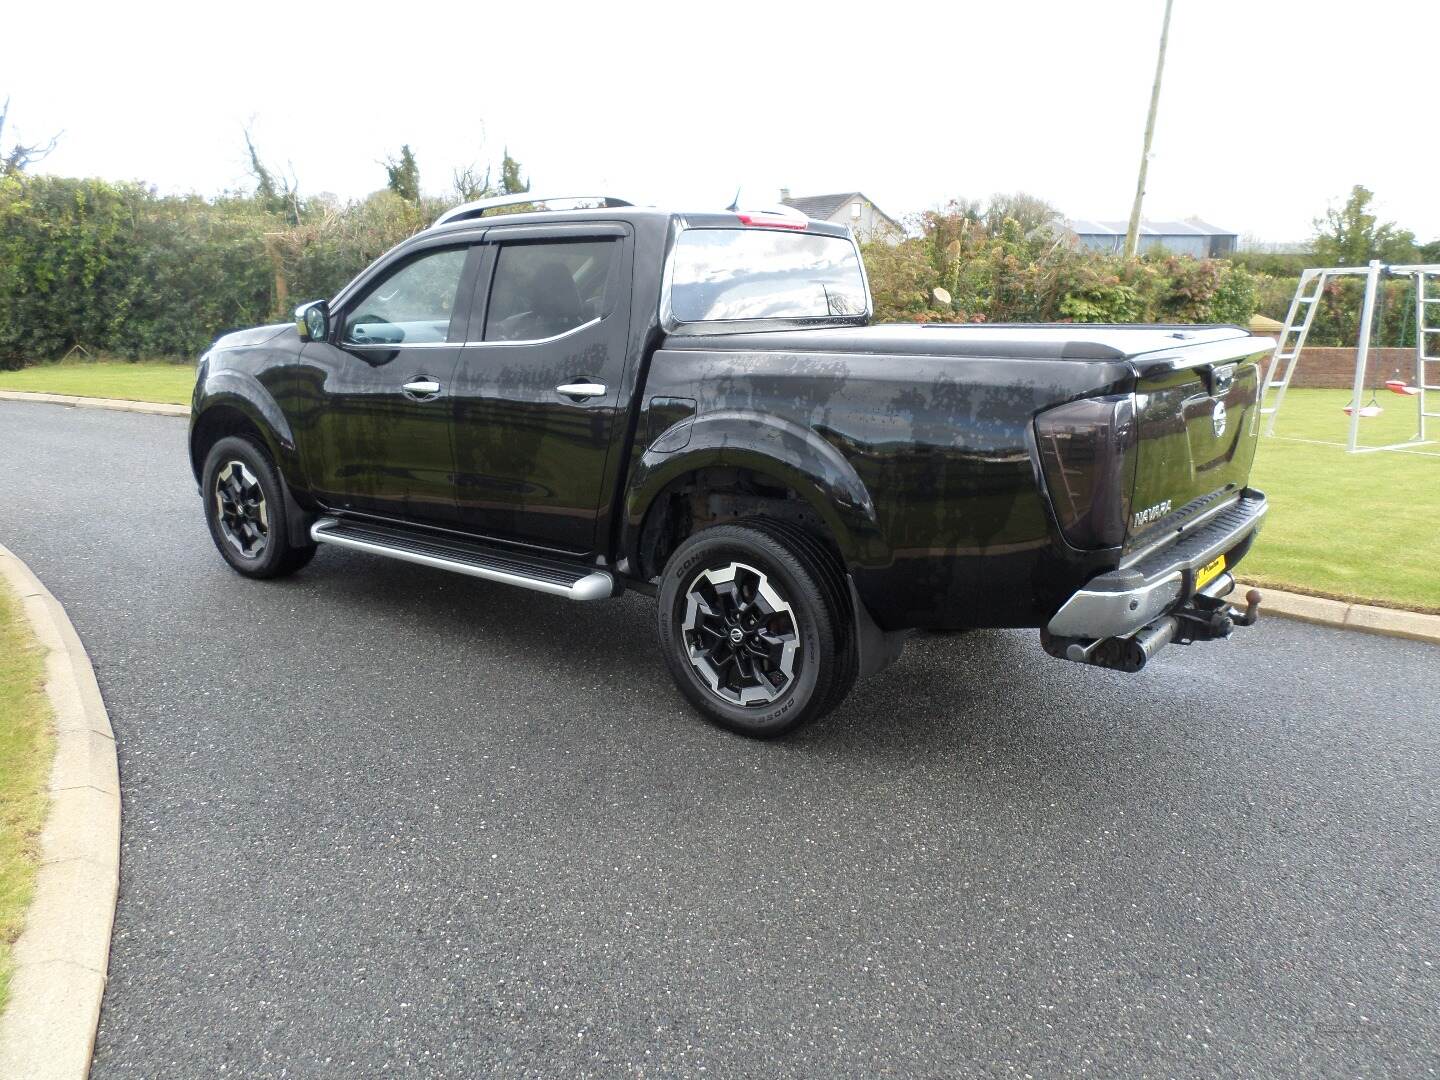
(928,457)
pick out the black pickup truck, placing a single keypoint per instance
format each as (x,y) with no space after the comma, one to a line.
(695,406)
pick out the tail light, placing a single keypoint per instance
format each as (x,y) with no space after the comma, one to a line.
(1088,452)
(773,219)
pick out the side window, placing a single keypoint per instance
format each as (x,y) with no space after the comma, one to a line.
(411,306)
(544,289)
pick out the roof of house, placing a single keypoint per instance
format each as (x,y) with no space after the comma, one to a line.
(821,207)
(1193,227)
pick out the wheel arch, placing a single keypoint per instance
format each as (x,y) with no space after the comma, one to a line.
(763,462)
(237,404)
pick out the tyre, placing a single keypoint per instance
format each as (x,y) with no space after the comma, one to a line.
(246,511)
(756,627)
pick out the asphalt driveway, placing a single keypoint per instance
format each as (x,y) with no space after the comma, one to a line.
(380,820)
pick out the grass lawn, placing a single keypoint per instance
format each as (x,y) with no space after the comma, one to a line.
(1352,526)
(144,381)
(26,749)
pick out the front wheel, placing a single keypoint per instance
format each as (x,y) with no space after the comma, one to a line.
(246,511)
(755,626)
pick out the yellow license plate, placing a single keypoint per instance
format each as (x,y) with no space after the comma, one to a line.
(1209,572)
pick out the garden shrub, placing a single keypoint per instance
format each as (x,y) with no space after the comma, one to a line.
(1003,273)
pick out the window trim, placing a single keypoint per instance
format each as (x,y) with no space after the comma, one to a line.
(596,321)
(351,346)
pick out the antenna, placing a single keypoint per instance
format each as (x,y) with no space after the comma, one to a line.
(736,204)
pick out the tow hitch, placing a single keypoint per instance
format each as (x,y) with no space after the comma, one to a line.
(1204,617)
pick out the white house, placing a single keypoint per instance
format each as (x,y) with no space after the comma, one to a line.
(866,220)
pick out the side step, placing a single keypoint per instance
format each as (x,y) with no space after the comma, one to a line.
(463,557)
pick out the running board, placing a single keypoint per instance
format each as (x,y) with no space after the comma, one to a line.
(464,557)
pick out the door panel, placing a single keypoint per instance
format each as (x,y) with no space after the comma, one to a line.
(378,437)
(530,459)
(381,450)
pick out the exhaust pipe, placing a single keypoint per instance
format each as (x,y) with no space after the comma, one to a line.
(1206,617)
(1123,654)
(1144,644)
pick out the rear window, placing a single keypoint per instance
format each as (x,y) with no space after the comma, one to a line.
(722,274)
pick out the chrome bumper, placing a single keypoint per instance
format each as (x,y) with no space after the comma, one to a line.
(1122,602)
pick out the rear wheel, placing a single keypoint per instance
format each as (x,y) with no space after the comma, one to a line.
(754,629)
(246,511)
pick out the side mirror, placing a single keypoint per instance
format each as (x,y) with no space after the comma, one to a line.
(312,320)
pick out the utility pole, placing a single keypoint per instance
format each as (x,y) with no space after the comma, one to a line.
(1132,234)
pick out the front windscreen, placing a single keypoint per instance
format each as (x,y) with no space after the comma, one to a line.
(725,274)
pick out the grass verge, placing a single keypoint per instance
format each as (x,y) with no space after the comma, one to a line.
(1358,527)
(27,746)
(143,381)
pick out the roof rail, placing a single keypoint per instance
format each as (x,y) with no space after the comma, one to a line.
(480,206)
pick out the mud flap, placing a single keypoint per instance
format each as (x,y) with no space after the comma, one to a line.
(878,648)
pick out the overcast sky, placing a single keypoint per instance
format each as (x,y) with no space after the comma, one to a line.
(1261,122)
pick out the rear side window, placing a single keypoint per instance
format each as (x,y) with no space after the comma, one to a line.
(544,289)
(723,274)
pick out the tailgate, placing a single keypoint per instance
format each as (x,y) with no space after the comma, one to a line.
(1198,418)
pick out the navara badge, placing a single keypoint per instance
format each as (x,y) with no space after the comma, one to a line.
(1218,418)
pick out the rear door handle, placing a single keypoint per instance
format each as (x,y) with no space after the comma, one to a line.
(422,386)
(581,390)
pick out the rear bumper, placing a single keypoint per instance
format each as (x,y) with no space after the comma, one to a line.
(1120,603)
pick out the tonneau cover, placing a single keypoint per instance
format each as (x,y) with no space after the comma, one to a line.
(1038,341)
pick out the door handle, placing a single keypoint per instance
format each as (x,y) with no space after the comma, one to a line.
(422,386)
(581,390)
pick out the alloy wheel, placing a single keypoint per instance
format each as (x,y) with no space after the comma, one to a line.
(243,516)
(740,634)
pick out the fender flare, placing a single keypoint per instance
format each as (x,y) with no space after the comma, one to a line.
(771,446)
(245,394)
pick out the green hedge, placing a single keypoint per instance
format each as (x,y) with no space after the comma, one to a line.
(119,269)
(113,268)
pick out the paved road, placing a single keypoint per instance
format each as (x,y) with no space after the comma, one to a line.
(383,820)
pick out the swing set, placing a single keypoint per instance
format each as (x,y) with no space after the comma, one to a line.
(1425,291)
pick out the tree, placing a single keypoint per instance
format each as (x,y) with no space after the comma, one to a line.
(265,189)
(471,184)
(511,183)
(20,154)
(1351,235)
(278,197)
(1029,211)
(404,175)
